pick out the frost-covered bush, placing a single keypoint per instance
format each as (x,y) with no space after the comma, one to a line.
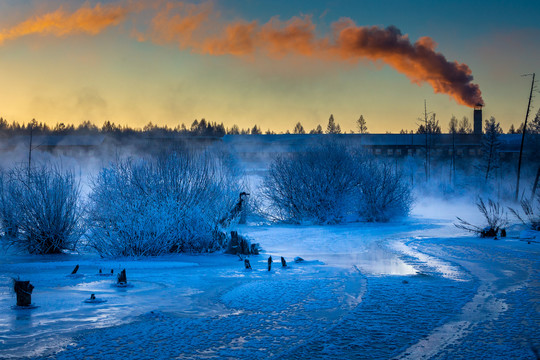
(156,206)
(9,216)
(495,216)
(315,185)
(531,213)
(331,183)
(45,213)
(383,192)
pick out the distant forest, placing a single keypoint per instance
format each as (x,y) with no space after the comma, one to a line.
(213,129)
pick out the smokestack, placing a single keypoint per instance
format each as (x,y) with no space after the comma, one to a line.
(478,119)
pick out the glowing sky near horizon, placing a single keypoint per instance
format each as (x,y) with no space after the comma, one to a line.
(272,64)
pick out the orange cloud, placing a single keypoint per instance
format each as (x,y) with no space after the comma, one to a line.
(85,20)
(178,21)
(199,27)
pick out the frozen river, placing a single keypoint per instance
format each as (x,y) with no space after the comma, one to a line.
(407,290)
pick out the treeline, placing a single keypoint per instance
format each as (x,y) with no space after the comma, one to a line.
(202,127)
(197,128)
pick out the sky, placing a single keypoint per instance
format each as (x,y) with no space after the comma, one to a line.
(270,63)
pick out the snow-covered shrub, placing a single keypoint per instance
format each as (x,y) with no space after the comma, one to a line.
(495,216)
(46,209)
(330,183)
(531,211)
(383,192)
(9,209)
(161,205)
(315,185)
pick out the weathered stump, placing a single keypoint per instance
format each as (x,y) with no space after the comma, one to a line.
(122,279)
(247,264)
(270,263)
(503,232)
(23,289)
(255,249)
(283,262)
(75,270)
(101,272)
(244,246)
(488,232)
(233,244)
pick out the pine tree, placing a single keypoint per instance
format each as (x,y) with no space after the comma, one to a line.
(361,124)
(512,129)
(491,146)
(534,125)
(453,125)
(465,126)
(299,129)
(332,128)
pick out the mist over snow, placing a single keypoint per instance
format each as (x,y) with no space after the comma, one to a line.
(406,285)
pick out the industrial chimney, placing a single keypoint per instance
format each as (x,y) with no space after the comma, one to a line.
(478,119)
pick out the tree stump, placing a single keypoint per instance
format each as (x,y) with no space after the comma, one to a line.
(270,263)
(283,262)
(75,270)
(247,264)
(234,244)
(23,289)
(244,246)
(255,249)
(101,272)
(503,233)
(122,279)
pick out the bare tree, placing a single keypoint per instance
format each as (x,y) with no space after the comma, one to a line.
(453,129)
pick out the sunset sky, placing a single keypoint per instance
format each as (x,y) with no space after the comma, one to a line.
(270,63)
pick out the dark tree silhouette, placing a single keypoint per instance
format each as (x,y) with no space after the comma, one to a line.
(490,147)
(299,129)
(361,124)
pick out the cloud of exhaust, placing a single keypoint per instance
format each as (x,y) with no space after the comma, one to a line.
(194,27)
(199,27)
(418,61)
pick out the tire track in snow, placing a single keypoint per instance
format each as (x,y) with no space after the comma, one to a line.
(485,305)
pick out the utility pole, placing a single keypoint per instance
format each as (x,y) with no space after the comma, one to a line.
(523,133)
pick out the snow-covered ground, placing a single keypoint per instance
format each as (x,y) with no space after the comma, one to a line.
(415,289)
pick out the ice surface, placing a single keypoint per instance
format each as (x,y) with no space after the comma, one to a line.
(417,289)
